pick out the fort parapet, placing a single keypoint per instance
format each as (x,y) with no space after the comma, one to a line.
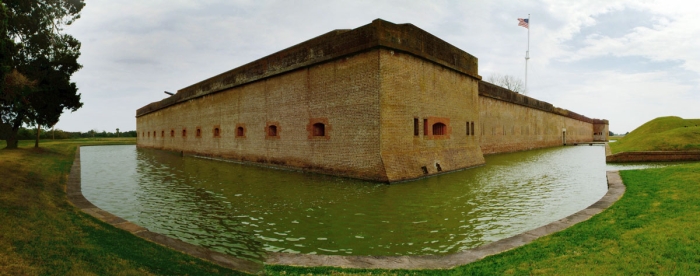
(327,47)
(384,102)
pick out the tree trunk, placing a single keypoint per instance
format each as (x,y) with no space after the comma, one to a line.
(12,141)
(38,130)
(12,137)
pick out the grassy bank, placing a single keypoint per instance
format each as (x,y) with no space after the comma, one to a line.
(651,230)
(41,233)
(661,134)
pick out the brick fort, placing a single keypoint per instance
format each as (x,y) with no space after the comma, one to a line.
(383,102)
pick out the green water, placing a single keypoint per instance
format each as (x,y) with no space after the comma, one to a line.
(247,210)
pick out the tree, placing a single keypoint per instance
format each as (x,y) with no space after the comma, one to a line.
(508,82)
(37,61)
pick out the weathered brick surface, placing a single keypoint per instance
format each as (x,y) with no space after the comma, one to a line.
(413,88)
(331,46)
(600,130)
(343,93)
(514,122)
(507,127)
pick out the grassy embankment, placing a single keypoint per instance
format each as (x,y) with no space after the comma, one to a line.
(651,230)
(42,234)
(661,134)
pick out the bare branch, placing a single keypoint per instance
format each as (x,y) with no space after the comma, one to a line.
(508,82)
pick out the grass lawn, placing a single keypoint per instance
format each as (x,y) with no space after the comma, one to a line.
(652,230)
(41,233)
(661,134)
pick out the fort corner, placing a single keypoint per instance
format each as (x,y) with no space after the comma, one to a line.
(384,102)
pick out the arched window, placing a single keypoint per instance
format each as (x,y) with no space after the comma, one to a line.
(172,133)
(154,134)
(198,133)
(162,133)
(217,132)
(439,129)
(272,130)
(240,131)
(319,129)
(184,132)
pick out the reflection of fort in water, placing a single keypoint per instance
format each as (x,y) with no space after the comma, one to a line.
(384,102)
(246,210)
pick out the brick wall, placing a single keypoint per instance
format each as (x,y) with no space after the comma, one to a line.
(600,130)
(342,94)
(514,122)
(418,91)
(327,47)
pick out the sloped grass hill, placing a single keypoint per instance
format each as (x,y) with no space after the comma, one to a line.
(662,134)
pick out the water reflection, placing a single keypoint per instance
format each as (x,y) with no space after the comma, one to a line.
(246,210)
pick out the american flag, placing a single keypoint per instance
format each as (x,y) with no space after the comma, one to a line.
(524,22)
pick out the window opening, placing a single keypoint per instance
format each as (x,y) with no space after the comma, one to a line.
(272,131)
(425,126)
(416,127)
(217,132)
(439,129)
(162,133)
(467,128)
(198,132)
(437,165)
(319,129)
(425,169)
(172,133)
(240,131)
(473,131)
(184,133)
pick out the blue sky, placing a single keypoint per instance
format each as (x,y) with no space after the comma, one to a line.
(625,61)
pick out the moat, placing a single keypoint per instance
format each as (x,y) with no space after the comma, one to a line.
(247,210)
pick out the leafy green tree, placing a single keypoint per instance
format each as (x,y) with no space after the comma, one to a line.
(37,60)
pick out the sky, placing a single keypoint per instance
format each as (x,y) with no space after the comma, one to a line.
(625,61)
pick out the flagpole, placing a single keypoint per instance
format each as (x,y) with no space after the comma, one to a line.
(527,53)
